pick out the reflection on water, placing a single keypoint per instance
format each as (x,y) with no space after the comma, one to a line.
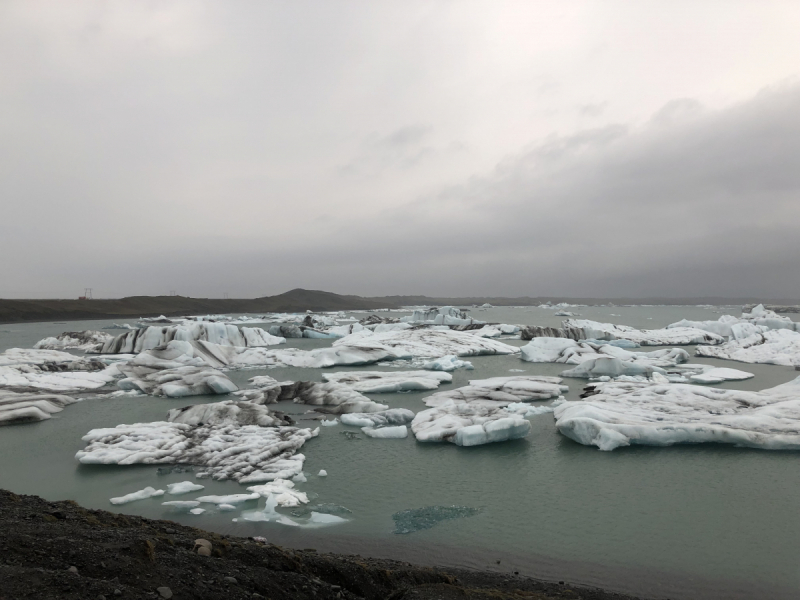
(686,521)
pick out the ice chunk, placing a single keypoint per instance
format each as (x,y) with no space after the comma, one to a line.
(224,334)
(147,492)
(500,391)
(417,519)
(21,408)
(775,347)
(78,340)
(227,449)
(676,336)
(376,382)
(447,363)
(226,507)
(425,343)
(229,499)
(444,423)
(397,432)
(284,492)
(325,519)
(322,473)
(611,367)
(181,504)
(329,423)
(197,511)
(619,414)
(183,487)
(564,350)
(719,375)
(393,416)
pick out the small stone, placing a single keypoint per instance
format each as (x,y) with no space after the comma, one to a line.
(164,592)
(204,551)
(117,593)
(169,531)
(231,580)
(73,569)
(101,597)
(102,564)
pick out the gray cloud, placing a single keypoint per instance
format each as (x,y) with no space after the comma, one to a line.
(387,149)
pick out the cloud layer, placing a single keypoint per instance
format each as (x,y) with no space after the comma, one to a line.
(211,149)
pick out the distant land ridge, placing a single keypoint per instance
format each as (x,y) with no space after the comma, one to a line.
(18,311)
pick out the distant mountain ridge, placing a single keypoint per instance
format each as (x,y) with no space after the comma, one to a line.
(16,311)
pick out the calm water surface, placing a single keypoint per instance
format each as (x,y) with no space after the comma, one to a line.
(700,521)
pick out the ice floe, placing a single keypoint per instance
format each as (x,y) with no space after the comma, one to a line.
(147,492)
(447,363)
(228,499)
(775,347)
(441,315)
(227,448)
(394,432)
(567,351)
(416,519)
(607,366)
(620,414)
(376,382)
(676,336)
(720,374)
(425,343)
(24,407)
(53,371)
(284,492)
(500,391)
(183,487)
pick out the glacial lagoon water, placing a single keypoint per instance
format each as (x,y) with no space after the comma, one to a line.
(693,521)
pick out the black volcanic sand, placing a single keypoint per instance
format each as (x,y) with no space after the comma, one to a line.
(61,550)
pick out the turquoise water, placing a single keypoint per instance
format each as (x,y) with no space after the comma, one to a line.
(699,521)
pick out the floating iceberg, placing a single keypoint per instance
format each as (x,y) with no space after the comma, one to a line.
(500,391)
(183,487)
(607,366)
(395,432)
(447,363)
(676,336)
(68,373)
(181,504)
(376,382)
(567,351)
(229,449)
(175,383)
(78,340)
(284,492)
(229,499)
(424,343)
(719,375)
(21,407)
(147,492)
(620,414)
(774,347)
(468,424)
(223,334)
(442,315)
(393,416)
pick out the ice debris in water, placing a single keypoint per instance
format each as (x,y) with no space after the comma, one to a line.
(283,490)
(329,423)
(416,519)
(447,363)
(620,414)
(719,375)
(322,473)
(393,416)
(197,511)
(226,507)
(183,487)
(181,504)
(76,340)
(425,343)
(147,492)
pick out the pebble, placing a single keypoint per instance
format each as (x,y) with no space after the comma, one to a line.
(164,592)
(231,580)
(170,531)
(117,593)
(73,569)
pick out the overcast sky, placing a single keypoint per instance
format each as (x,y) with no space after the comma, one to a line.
(440,148)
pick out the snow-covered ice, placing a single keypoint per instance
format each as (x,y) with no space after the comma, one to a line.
(500,391)
(676,336)
(284,492)
(223,334)
(228,499)
(611,367)
(322,473)
(181,504)
(620,414)
(147,492)
(720,374)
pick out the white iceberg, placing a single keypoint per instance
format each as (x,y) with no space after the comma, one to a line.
(425,343)
(78,340)
(607,366)
(229,499)
(676,336)
(183,487)
(147,492)
(229,449)
(394,432)
(620,414)
(449,362)
(468,424)
(376,382)
(393,416)
(718,375)
(775,347)
(567,351)
(283,491)
(24,407)
(501,391)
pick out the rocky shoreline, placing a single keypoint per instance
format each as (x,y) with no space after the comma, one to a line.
(61,550)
